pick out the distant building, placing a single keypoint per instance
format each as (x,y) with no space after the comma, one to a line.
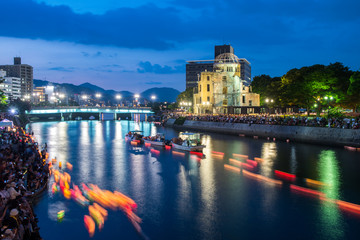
(223,90)
(39,95)
(11,86)
(196,67)
(22,71)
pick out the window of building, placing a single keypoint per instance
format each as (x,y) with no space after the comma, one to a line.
(250,103)
(200,100)
(200,89)
(224,78)
(208,87)
(208,99)
(208,78)
(243,99)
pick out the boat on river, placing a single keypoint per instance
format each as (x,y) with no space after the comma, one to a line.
(134,136)
(188,141)
(158,140)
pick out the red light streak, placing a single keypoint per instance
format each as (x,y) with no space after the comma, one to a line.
(307,191)
(285,176)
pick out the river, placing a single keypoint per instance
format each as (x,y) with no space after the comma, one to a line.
(181,197)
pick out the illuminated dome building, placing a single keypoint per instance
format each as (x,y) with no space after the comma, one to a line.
(222,91)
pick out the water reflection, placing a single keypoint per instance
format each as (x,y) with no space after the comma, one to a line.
(99,151)
(177,199)
(84,152)
(269,154)
(330,215)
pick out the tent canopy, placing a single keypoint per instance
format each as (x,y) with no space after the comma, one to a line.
(6,123)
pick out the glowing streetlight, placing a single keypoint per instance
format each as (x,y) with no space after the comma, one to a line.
(153,97)
(84,97)
(98,95)
(61,95)
(118,97)
(267,100)
(136,95)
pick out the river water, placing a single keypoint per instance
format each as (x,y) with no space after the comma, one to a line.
(180,197)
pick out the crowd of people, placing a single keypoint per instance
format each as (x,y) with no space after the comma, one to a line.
(23,175)
(346,123)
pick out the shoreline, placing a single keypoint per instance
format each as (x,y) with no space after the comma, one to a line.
(313,135)
(24,177)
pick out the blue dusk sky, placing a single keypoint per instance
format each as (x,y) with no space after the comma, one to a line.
(139,44)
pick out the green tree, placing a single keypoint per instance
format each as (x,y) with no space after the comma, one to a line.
(2,97)
(354,91)
(185,96)
(267,87)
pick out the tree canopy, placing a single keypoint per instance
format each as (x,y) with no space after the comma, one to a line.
(2,97)
(317,86)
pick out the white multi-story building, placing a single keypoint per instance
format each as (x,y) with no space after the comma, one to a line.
(11,86)
(223,90)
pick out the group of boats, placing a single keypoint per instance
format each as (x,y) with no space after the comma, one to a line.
(186,141)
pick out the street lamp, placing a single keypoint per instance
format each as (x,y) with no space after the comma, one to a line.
(328,99)
(98,95)
(153,97)
(137,96)
(118,97)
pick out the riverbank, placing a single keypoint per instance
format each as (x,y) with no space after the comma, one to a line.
(318,135)
(23,177)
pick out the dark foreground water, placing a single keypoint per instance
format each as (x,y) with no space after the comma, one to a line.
(183,198)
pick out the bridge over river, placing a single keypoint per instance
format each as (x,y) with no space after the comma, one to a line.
(86,113)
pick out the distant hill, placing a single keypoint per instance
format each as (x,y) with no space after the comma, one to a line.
(162,94)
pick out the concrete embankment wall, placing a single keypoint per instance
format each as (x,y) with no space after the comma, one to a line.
(326,136)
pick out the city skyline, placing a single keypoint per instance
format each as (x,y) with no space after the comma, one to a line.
(138,45)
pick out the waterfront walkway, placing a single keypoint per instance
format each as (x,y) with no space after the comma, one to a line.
(345,123)
(23,175)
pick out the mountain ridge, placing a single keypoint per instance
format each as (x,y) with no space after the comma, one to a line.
(163,94)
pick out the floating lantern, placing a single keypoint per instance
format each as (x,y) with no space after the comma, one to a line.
(258,159)
(197,153)
(252,162)
(235,162)
(240,155)
(178,153)
(61,214)
(261,178)
(89,225)
(314,183)
(307,191)
(232,168)
(285,176)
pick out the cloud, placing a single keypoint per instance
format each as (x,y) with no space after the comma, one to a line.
(62,69)
(153,83)
(152,27)
(147,67)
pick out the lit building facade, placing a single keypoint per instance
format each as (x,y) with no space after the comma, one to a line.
(196,67)
(11,86)
(223,90)
(22,71)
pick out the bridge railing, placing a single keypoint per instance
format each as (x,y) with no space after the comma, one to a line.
(82,109)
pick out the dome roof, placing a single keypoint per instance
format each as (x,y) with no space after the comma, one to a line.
(227,58)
